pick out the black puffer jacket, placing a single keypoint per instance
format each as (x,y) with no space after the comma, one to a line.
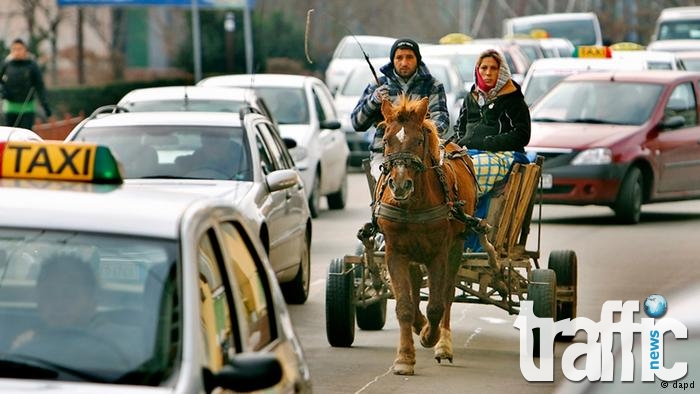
(501,125)
(17,79)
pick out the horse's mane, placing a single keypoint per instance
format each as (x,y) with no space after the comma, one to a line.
(402,112)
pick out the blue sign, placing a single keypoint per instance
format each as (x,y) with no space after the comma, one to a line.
(170,3)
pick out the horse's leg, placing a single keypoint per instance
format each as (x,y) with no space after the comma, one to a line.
(443,349)
(416,283)
(400,282)
(430,333)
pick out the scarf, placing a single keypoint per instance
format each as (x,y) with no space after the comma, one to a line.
(483,93)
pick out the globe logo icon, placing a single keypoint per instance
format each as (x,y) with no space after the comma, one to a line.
(655,305)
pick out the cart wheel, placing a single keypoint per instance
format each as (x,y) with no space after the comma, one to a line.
(565,265)
(340,316)
(542,291)
(373,316)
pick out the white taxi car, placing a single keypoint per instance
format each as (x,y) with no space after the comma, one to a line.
(304,109)
(238,157)
(8,133)
(108,287)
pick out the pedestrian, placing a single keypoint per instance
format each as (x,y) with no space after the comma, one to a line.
(494,121)
(405,73)
(21,83)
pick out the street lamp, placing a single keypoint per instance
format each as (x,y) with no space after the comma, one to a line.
(229,28)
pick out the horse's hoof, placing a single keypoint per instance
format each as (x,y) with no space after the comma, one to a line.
(428,341)
(443,355)
(402,369)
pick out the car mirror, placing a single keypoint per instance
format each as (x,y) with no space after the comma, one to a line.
(290,143)
(244,373)
(673,122)
(281,179)
(330,124)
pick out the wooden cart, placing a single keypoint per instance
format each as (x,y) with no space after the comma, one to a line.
(358,285)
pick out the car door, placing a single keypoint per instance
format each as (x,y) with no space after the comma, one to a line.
(678,150)
(288,208)
(335,152)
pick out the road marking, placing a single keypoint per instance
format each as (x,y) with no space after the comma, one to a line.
(376,379)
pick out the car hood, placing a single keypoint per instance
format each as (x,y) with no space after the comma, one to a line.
(301,133)
(45,386)
(235,190)
(578,135)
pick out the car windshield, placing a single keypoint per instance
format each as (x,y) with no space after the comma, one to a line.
(579,32)
(353,51)
(681,29)
(288,105)
(186,105)
(692,64)
(176,151)
(88,307)
(605,102)
(538,85)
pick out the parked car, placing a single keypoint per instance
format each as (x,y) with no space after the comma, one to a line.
(620,139)
(8,133)
(193,98)
(242,160)
(108,287)
(305,112)
(349,51)
(347,97)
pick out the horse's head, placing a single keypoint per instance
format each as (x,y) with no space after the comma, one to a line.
(410,144)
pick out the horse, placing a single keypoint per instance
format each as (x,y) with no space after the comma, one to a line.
(423,204)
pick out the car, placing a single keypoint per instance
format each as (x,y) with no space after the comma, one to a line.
(352,49)
(192,98)
(241,159)
(557,47)
(619,139)
(581,28)
(8,133)
(655,60)
(677,23)
(304,109)
(111,287)
(543,74)
(347,97)
(464,57)
(690,59)
(688,44)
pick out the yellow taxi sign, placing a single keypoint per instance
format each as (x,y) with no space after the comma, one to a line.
(56,160)
(539,33)
(455,38)
(592,51)
(626,46)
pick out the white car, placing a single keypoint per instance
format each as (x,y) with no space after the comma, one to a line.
(8,133)
(351,49)
(655,60)
(114,288)
(304,109)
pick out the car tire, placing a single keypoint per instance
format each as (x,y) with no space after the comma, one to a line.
(338,199)
(340,310)
(628,207)
(296,292)
(315,197)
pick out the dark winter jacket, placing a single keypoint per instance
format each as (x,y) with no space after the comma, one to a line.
(18,77)
(422,84)
(500,125)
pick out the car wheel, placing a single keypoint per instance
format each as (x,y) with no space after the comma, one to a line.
(297,291)
(338,199)
(628,207)
(315,197)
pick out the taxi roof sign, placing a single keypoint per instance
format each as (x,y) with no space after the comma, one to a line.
(592,51)
(57,160)
(455,38)
(539,33)
(626,46)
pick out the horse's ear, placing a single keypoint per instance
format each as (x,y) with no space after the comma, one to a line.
(387,109)
(422,108)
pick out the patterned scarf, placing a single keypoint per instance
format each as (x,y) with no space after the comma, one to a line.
(483,93)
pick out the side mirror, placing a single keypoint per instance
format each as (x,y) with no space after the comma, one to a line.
(330,124)
(673,122)
(245,373)
(289,142)
(281,179)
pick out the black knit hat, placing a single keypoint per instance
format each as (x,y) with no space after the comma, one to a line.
(405,43)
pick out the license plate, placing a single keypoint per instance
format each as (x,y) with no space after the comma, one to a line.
(547,181)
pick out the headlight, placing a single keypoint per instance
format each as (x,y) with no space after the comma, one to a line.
(593,156)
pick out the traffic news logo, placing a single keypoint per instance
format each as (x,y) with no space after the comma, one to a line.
(599,346)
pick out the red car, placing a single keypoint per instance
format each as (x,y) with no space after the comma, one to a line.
(619,139)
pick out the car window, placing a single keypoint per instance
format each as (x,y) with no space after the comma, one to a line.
(275,148)
(682,103)
(258,327)
(324,103)
(288,105)
(216,330)
(189,105)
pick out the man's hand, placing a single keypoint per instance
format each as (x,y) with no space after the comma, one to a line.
(380,94)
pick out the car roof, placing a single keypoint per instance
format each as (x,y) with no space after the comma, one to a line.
(674,45)
(657,76)
(582,64)
(259,80)
(18,134)
(165,118)
(194,92)
(78,206)
(680,13)
(447,49)
(554,17)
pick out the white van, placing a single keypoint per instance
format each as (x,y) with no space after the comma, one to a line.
(581,28)
(677,23)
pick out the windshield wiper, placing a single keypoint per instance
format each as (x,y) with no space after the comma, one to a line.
(550,120)
(27,367)
(588,120)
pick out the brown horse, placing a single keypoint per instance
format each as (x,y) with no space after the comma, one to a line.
(423,204)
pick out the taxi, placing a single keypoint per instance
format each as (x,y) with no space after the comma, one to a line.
(619,139)
(111,288)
